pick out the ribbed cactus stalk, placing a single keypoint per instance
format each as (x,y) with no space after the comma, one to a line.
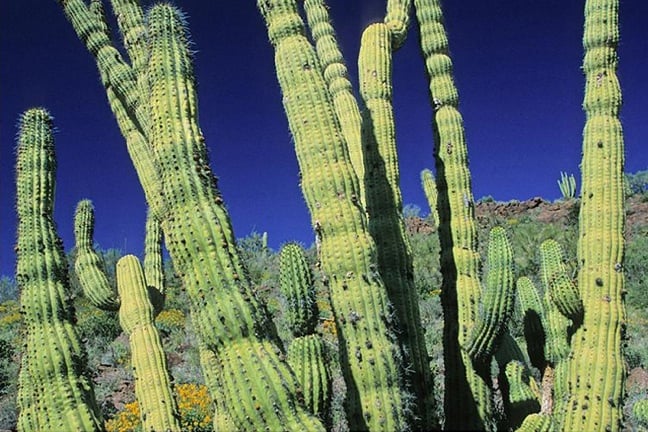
(378,396)
(88,265)
(296,283)
(384,205)
(429,187)
(562,290)
(157,115)
(306,354)
(522,400)
(596,366)
(153,264)
(497,299)
(54,391)
(468,398)
(536,423)
(158,409)
(532,314)
(339,85)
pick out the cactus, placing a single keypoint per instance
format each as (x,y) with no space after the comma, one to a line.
(596,366)
(158,409)
(139,301)
(88,265)
(155,107)
(331,187)
(54,391)
(640,411)
(567,185)
(468,398)
(497,299)
(561,288)
(429,187)
(306,354)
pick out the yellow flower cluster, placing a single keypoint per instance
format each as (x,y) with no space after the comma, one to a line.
(9,313)
(170,320)
(194,404)
(127,420)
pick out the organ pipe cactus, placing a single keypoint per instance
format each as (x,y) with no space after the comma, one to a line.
(88,265)
(54,391)
(429,187)
(331,188)
(596,365)
(154,101)
(158,409)
(139,302)
(306,354)
(468,398)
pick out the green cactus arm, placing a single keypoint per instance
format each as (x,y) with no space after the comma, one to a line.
(132,27)
(522,399)
(397,20)
(468,397)
(378,398)
(430,190)
(200,240)
(384,205)
(306,357)
(536,423)
(296,284)
(209,365)
(54,392)
(532,314)
(88,265)
(158,408)
(153,265)
(640,412)
(597,366)
(561,288)
(497,300)
(91,26)
(93,31)
(339,85)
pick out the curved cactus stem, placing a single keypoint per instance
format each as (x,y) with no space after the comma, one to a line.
(429,187)
(306,357)
(532,314)
(339,86)
(536,423)
(497,300)
(377,395)
(153,264)
(522,399)
(88,265)
(468,396)
(561,288)
(158,408)
(296,284)
(200,240)
(385,210)
(597,363)
(54,392)
(397,20)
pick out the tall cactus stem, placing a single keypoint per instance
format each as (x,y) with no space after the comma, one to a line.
(384,209)
(158,408)
(54,392)
(597,365)
(468,396)
(88,265)
(377,396)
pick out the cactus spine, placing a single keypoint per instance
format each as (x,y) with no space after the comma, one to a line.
(54,393)
(158,409)
(596,365)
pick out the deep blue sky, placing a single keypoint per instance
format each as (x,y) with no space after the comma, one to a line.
(517,67)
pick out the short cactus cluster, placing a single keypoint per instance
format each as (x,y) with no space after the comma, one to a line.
(346,149)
